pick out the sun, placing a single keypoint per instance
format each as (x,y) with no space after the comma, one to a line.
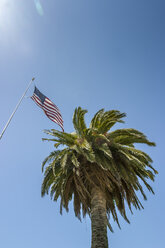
(8,21)
(6,15)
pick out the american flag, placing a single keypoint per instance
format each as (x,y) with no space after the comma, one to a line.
(50,109)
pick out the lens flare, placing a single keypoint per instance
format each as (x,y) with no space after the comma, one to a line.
(39,7)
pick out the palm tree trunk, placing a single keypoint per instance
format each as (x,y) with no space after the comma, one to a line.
(98,219)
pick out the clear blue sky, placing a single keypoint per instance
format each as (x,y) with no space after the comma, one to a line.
(88,53)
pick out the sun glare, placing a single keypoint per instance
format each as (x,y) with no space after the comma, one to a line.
(13,23)
(5,14)
(7,20)
(8,16)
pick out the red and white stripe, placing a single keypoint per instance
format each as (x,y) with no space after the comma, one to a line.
(50,109)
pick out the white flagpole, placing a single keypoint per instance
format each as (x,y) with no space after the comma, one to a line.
(16,107)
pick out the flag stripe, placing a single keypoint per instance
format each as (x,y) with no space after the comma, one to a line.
(53,113)
(43,105)
(53,119)
(52,109)
(53,116)
(49,108)
(51,103)
(37,100)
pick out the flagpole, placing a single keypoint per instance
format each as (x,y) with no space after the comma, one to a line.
(16,107)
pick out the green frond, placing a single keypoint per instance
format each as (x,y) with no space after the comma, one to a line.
(46,139)
(103,121)
(64,158)
(57,144)
(68,190)
(141,190)
(109,119)
(97,157)
(109,226)
(129,137)
(75,161)
(115,217)
(87,152)
(146,184)
(78,120)
(99,139)
(77,205)
(62,137)
(124,131)
(155,171)
(53,189)
(105,149)
(95,122)
(48,180)
(89,155)
(50,158)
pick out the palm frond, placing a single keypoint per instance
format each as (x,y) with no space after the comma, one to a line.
(129,136)
(50,158)
(78,120)
(95,122)
(94,157)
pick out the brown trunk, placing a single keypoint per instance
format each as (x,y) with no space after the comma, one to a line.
(98,219)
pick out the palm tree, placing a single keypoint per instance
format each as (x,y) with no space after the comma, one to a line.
(101,170)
